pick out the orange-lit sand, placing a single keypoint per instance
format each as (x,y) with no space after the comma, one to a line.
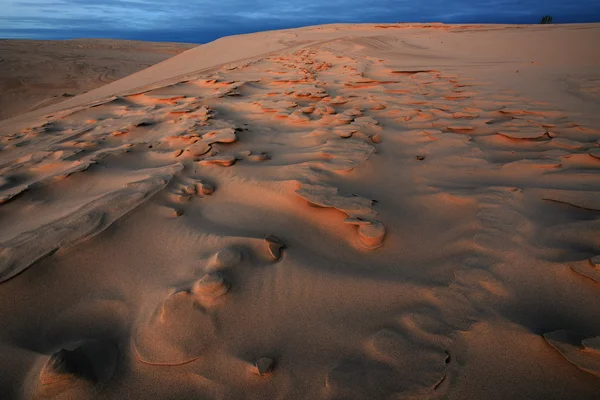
(331,212)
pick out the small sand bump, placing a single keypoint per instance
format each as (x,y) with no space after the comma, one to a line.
(62,371)
(338,100)
(595,261)
(344,119)
(372,235)
(207,188)
(190,189)
(274,245)
(310,92)
(226,258)
(224,160)
(259,157)
(199,148)
(298,117)
(595,153)
(226,135)
(204,188)
(345,131)
(376,138)
(210,287)
(327,196)
(263,366)
(353,112)
(327,110)
(90,363)
(366,120)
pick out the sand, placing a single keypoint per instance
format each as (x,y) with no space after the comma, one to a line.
(331,212)
(37,73)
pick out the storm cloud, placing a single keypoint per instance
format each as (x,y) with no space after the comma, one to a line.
(203,21)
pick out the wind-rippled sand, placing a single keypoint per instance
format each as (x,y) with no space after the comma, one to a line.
(332,212)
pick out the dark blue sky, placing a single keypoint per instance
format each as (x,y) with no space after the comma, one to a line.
(202,21)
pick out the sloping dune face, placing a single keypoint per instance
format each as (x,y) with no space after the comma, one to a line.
(335,212)
(37,73)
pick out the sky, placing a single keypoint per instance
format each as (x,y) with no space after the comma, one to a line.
(202,21)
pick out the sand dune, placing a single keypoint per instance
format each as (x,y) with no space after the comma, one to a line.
(37,73)
(331,212)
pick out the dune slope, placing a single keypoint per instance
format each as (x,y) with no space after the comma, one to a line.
(37,73)
(332,212)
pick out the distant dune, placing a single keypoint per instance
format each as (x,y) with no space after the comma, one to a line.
(338,212)
(37,73)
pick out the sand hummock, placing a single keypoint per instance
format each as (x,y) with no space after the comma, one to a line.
(366,211)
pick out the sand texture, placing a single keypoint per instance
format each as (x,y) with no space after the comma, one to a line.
(333,212)
(38,73)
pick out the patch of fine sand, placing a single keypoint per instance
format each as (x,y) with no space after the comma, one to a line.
(37,73)
(333,212)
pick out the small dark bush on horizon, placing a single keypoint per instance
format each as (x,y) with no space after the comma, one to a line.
(546,19)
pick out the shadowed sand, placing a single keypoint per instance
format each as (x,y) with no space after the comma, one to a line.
(405,211)
(38,73)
